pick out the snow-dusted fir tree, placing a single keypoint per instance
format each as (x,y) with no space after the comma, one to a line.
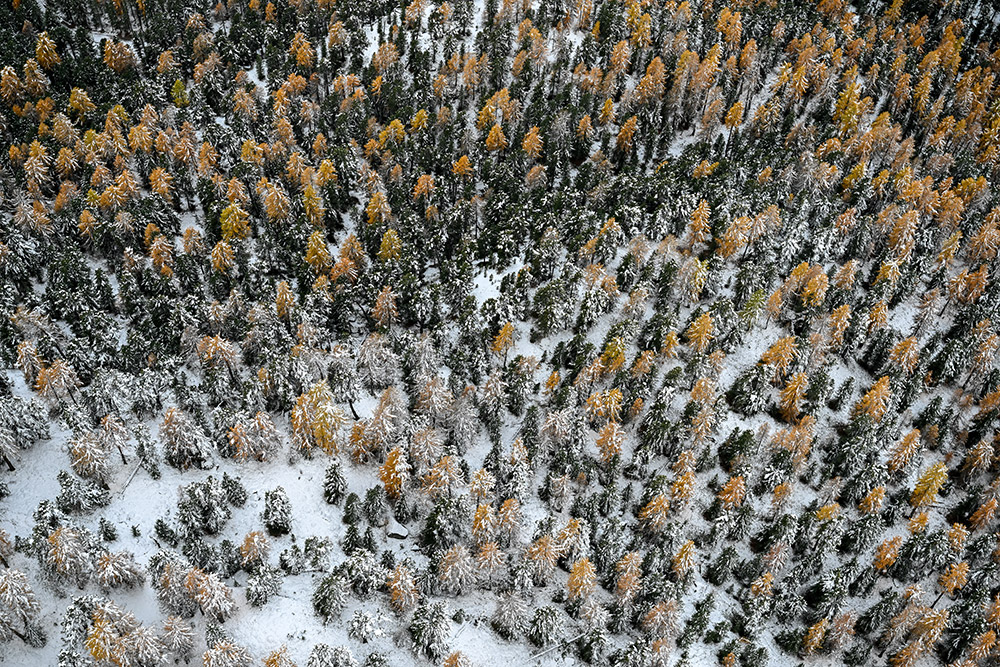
(277,515)
(430,630)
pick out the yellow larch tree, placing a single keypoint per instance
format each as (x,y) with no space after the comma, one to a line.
(629,576)
(875,402)
(698,228)
(504,340)
(701,332)
(813,639)
(394,472)
(792,395)
(780,355)
(302,51)
(609,440)
(284,299)
(462,167)
(495,140)
(384,311)
(954,577)
(902,452)
(582,579)
(317,254)
(532,143)
(887,553)
(403,590)
(45,51)
(254,548)
(873,501)
(733,492)
(905,354)
(734,117)
(483,524)
(424,187)
(390,247)
(683,561)
(654,514)
(623,141)
(928,485)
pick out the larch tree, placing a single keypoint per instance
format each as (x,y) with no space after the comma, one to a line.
(582,579)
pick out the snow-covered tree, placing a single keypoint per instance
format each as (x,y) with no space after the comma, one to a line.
(430,630)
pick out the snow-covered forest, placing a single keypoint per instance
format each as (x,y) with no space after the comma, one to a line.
(638,333)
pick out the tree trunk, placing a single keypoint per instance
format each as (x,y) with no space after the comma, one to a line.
(17,634)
